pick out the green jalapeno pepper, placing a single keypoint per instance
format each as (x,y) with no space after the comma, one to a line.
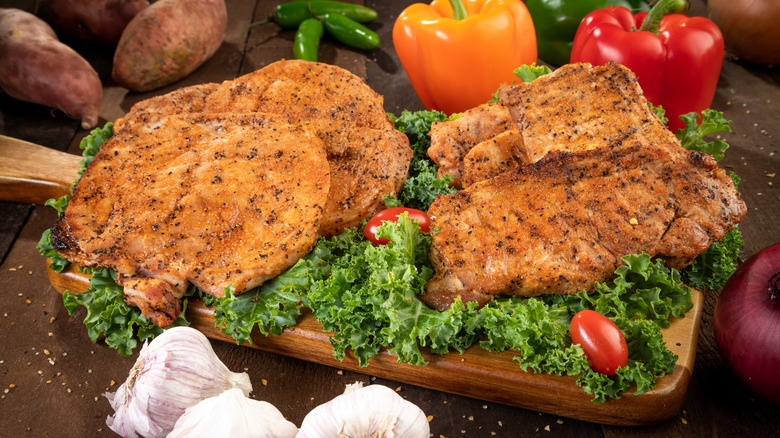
(307,39)
(350,32)
(291,14)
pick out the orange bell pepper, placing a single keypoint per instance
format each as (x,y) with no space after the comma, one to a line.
(456,64)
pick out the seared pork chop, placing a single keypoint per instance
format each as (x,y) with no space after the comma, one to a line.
(492,157)
(368,157)
(212,199)
(581,106)
(185,100)
(562,224)
(453,139)
(576,107)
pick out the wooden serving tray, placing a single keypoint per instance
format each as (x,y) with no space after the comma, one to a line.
(476,373)
(32,173)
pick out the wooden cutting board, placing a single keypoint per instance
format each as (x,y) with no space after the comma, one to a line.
(476,373)
(32,173)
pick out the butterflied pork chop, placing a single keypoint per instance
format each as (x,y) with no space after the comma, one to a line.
(563,223)
(368,158)
(212,199)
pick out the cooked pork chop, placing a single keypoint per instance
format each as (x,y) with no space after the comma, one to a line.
(581,106)
(212,199)
(368,157)
(577,107)
(185,100)
(303,91)
(492,157)
(563,223)
(365,165)
(452,140)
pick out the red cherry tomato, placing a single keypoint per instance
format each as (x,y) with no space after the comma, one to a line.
(602,341)
(391,215)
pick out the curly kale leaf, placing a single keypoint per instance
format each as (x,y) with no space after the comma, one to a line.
(109,316)
(422,185)
(698,126)
(711,269)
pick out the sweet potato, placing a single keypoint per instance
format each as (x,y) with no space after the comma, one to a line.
(36,67)
(98,21)
(167,41)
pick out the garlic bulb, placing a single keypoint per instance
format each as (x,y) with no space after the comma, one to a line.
(173,372)
(232,414)
(375,411)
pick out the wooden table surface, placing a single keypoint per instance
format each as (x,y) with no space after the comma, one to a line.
(53,378)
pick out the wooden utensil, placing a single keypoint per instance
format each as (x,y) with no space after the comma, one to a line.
(32,173)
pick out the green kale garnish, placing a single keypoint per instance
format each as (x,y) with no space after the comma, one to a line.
(271,307)
(109,316)
(711,269)
(640,300)
(46,248)
(698,126)
(422,185)
(527,73)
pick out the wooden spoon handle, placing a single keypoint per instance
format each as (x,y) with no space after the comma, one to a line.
(32,173)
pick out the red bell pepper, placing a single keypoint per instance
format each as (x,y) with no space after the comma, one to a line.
(677,59)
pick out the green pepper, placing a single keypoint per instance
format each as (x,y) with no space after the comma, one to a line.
(290,15)
(350,32)
(556,23)
(307,39)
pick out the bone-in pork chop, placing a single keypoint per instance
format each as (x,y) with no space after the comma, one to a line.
(368,157)
(212,199)
(562,224)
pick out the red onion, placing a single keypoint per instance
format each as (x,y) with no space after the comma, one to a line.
(746,323)
(749,28)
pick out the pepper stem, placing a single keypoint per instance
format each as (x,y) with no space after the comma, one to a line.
(774,289)
(458,11)
(661,9)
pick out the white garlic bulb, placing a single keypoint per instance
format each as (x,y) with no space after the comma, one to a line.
(232,414)
(375,411)
(173,372)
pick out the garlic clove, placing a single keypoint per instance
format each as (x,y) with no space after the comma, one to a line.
(232,414)
(372,411)
(173,372)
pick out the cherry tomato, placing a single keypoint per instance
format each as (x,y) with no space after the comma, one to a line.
(391,215)
(602,341)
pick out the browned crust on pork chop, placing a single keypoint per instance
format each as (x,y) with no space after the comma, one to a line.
(576,107)
(582,106)
(452,140)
